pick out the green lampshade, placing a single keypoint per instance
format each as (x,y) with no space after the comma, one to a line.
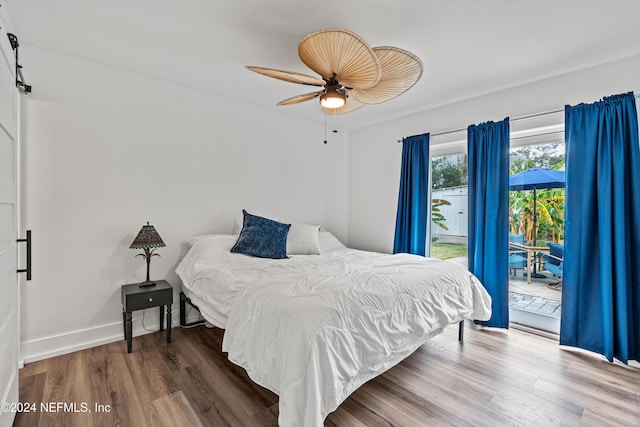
(147,238)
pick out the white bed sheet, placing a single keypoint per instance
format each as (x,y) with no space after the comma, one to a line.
(313,328)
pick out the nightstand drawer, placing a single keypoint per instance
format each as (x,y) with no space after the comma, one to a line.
(149,299)
(137,298)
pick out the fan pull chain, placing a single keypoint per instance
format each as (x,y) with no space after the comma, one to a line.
(335,125)
(325,128)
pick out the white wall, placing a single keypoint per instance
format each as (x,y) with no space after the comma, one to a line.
(374,165)
(106,150)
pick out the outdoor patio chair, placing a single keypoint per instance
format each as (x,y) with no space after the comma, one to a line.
(554,260)
(517,258)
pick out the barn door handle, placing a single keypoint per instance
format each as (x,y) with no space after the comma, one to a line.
(28,241)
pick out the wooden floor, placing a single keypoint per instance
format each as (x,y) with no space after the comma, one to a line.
(494,378)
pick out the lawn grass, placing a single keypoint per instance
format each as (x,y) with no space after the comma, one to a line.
(446,250)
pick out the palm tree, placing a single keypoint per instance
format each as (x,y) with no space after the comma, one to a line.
(549,208)
(436,216)
(553,203)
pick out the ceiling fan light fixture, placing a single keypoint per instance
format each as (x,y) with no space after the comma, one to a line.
(333,98)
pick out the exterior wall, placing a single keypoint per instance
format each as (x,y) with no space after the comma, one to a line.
(456,214)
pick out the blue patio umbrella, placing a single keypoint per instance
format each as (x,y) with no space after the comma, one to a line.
(533,179)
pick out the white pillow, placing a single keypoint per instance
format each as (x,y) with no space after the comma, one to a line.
(329,242)
(303,240)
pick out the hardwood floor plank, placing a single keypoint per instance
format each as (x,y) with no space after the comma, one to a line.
(244,387)
(157,374)
(31,391)
(623,411)
(213,409)
(523,411)
(34,368)
(614,375)
(234,391)
(453,393)
(410,406)
(592,418)
(66,384)
(493,377)
(173,410)
(176,357)
(267,417)
(360,410)
(115,389)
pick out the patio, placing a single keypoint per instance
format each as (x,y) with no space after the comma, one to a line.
(535,297)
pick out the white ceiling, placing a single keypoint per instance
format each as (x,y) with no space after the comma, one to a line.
(468,47)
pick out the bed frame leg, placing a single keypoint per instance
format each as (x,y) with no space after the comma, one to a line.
(183,311)
(461,330)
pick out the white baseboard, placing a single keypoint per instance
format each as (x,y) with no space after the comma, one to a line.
(56,345)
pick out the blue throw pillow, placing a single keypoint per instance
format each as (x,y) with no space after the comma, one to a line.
(557,251)
(262,237)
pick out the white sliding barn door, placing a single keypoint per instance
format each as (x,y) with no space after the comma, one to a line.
(9,314)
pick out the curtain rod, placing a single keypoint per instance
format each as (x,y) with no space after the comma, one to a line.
(528,116)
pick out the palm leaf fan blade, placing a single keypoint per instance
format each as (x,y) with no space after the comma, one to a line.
(341,54)
(287,76)
(301,98)
(401,70)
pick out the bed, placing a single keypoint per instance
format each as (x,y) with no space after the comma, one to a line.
(313,328)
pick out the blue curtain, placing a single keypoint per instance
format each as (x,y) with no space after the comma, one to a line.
(488,148)
(601,280)
(413,197)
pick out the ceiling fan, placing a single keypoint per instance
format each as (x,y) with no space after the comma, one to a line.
(352,74)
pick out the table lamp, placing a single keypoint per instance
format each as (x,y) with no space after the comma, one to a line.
(149,240)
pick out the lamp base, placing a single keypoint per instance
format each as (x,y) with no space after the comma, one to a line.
(147,284)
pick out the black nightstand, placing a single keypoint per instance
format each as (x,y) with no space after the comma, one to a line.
(135,298)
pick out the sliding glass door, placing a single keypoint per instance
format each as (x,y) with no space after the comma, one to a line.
(534,292)
(536,235)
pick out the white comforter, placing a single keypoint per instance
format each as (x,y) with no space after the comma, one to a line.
(314,328)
